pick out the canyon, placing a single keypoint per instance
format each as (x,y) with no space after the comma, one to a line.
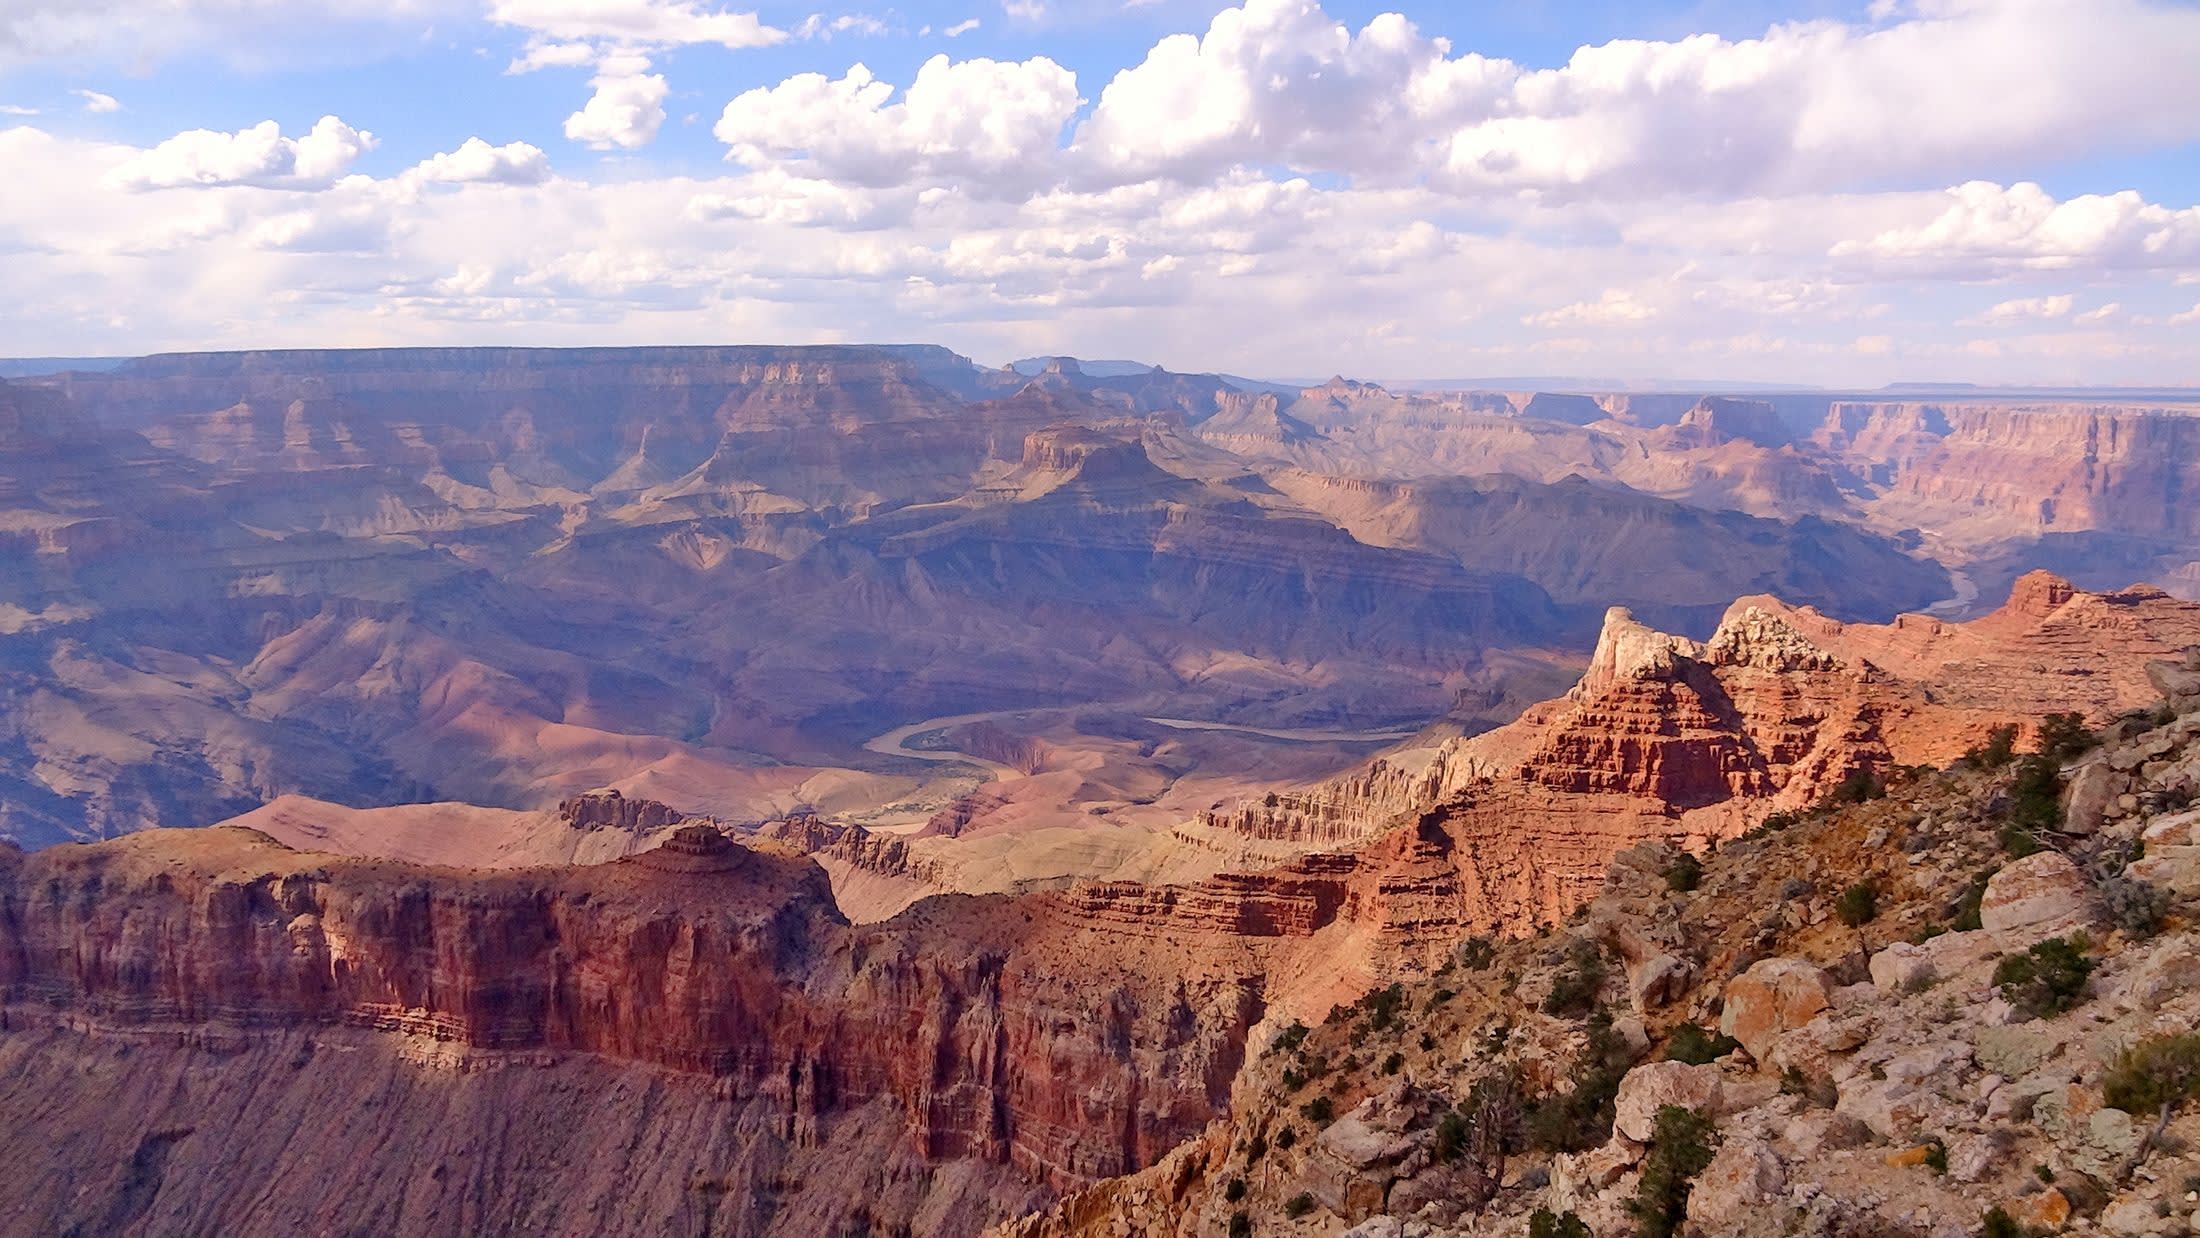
(760,790)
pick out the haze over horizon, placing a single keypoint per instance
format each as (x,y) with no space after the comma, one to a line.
(1844,195)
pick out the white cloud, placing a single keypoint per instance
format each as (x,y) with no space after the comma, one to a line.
(626,110)
(2187,318)
(819,26)
(636,23)
(1616,307)
(548,54)
(1277,81)
(2099,314)
(2028,309)
(992,125)
(259,156)
(1808,107)
(97,103)
(961,28)
(475,161)
(1987,229)
(10,109)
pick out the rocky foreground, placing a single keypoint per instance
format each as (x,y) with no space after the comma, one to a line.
(1962,1003)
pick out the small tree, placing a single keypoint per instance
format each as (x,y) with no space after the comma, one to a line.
(2158,1075)
(2048,979)
(1858,905)
(1697,1047)
(1680,1148)
(1547,1224)
(2000,746)
(1574,991)
(1683,874)
(2064,737)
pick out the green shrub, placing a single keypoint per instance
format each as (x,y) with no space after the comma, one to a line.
(1477,953)
(1683,874)
(1574,992)
(1241,1225)
(1293,1080)
(1680,1148)
(2035,797)
(1857,788)
(2019,841)
(1289,1039)
(1299,1205)
(1438,998)
(1382,1006)
(1999,748)
(1287,1138)
(1319,1110)
(1697,1047)
(1772,824)
(1394,1063)
(1581,1119)
(1546,1224)
(1256,1149)
(1858,905)
(1451,1136)
(1999,1224)
(2064,737)
(2135,906)
(2157,1073)
(1936,1156)
(1967,911)
(1234,1191)
(2048,979)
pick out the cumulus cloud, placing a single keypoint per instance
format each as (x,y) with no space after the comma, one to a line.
(259,156)
(636,23)
(627,109)
(1960,87)
(97,103)
(993,126)
(2028,309)
(550,54)
(476,162)
(961,28)
(1616,307)
(819,26)
(1988,229)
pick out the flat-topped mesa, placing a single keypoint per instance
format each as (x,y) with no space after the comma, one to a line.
(1089,453)
(1628,649)
(608,808)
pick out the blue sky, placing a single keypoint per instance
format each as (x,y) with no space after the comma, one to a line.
(1996,190)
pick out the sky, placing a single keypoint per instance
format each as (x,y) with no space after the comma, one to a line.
(1842,194)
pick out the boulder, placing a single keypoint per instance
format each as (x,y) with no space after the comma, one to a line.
(1654,1085)
(1743,1177)
(1903,968)
(1658,979)
(2178,682)
(2037,897)
(1975,1158)
(2135,1217)
(2093,791)
(2095,1139)
(2047,1211)
(2171,969)
(1775,995)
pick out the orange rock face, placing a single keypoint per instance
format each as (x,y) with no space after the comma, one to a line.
(1666,737)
